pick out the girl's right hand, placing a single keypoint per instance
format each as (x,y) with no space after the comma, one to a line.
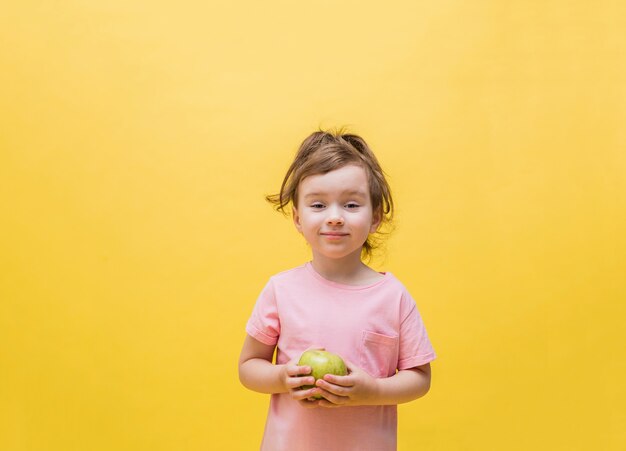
(294,377)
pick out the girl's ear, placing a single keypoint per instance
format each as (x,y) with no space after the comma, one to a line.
(296,219)
(376,220)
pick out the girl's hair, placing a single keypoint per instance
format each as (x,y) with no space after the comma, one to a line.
(325,151)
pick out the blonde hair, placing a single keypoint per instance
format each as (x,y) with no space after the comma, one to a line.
(325,151)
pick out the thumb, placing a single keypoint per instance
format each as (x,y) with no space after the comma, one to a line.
(351,366)
(315,348)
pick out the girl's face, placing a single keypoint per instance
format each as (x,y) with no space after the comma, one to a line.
(335,212)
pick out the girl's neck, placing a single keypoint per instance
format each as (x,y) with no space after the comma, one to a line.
(349,270)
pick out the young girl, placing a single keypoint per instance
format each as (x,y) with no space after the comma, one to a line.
(339,197)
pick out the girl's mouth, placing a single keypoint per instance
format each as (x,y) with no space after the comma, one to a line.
(334,235)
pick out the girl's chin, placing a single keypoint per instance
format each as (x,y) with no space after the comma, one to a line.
(337,254)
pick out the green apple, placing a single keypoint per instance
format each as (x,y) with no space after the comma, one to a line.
(322,363)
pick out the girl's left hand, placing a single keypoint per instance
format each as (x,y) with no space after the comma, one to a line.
(357,388)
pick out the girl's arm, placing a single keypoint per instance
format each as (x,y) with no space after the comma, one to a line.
(258,373)
(359,388)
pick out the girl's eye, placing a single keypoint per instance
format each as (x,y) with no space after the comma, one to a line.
(317,206)
(352,205)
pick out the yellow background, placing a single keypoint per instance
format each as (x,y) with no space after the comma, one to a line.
(137,140)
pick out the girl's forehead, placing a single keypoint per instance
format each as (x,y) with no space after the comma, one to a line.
(346,178)
(345,181)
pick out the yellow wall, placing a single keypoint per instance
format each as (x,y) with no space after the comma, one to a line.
(137,140)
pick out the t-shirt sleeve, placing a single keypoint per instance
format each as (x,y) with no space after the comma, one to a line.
(415,346)
(264,323)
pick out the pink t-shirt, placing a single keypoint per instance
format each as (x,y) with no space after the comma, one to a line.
(377,327)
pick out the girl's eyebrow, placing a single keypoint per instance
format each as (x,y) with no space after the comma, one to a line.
(308,195)
(354,192)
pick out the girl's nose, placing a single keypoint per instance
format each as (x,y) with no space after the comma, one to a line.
(334,218)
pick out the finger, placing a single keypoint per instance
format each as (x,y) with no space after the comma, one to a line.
(332,388)
(343,381)
(351,366)
(309,403)
(332,398)
(315,348)
(295,382)
(299,395)
(327,404)
(296,370)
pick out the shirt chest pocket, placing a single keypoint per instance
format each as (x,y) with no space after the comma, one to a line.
(379,354)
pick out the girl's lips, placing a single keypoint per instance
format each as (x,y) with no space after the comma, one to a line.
(333,235)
